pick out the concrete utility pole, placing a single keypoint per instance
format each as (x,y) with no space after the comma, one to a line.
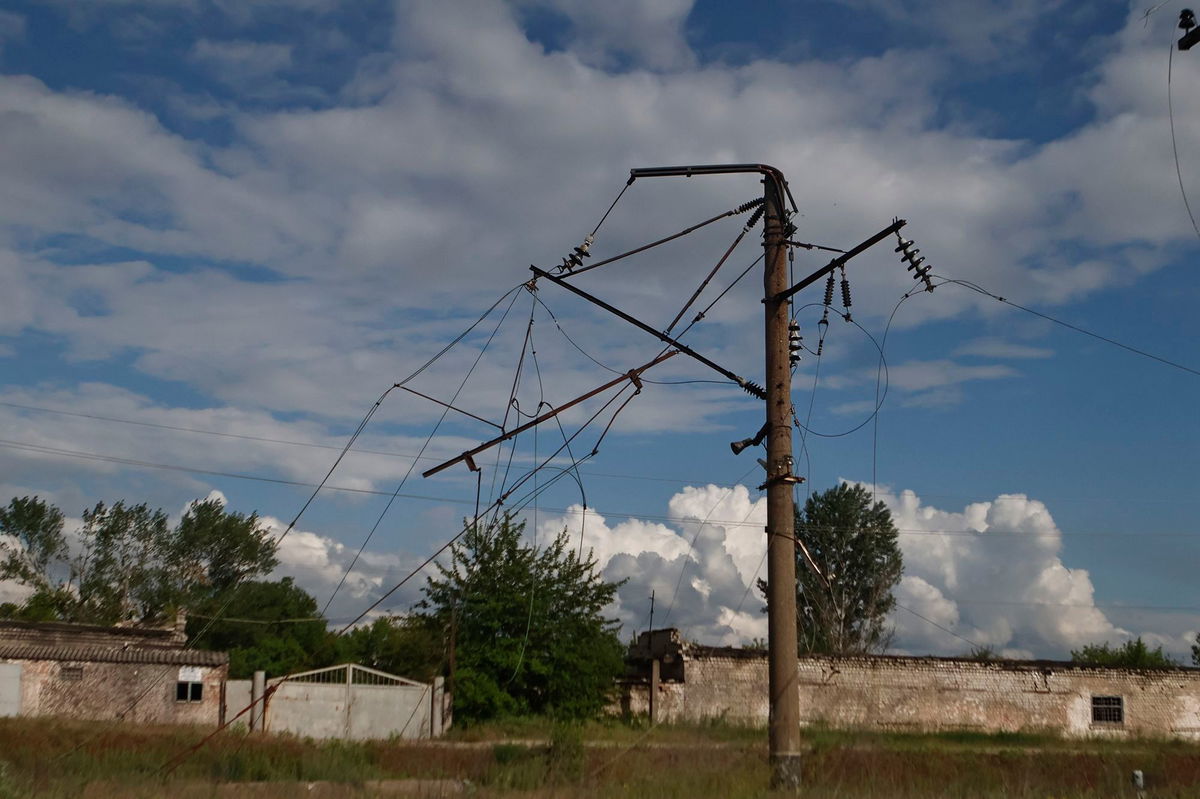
(781,536)
(781,550)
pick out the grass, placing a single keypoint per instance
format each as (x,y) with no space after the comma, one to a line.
(534,758)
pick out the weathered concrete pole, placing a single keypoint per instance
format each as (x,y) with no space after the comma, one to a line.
(781,551)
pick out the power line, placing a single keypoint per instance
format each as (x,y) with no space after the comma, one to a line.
(940,627)
(1174,147)
(980,290)
(482,351)
(607,513)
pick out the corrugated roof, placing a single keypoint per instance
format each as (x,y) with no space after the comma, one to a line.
(15,650)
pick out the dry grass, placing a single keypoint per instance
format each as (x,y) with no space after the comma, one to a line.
(53,758)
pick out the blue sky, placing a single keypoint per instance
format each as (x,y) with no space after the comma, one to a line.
(248,220)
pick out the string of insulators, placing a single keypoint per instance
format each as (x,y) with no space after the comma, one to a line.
(795,342)
(753,389)
(577,255)
(845,295)
(829,290)
(744,207)
(909,255)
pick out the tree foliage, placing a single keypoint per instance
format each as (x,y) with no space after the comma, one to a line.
(530,635)
(411,646)
(1133,654)
(853,542)
(127,563)
(261,627)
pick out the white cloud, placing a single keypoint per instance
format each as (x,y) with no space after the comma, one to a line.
(993,574)
(990,574)
(999,348)
(234,61)
(648,33)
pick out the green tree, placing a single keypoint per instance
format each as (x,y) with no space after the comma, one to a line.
(412,646)
(1133,654)
(1196,651)
(264,625)
(116,569)
(211,551)
(128,563)
(529,626)
(853,543)
(33,552)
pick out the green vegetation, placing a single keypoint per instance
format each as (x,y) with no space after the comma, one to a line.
(129,565)
(411,646)
(265,633)
(528,625)
(846,568)
(1130,655)
(54,758)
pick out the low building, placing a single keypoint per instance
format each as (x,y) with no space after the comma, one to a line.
(88,672)
(889,692)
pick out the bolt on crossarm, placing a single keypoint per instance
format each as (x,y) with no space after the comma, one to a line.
(781,558)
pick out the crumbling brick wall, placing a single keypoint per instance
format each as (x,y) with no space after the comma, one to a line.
(903,693)
(101,691)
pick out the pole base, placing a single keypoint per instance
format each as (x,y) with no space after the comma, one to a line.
(785,772)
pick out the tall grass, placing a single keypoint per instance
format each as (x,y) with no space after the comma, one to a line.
(52,758)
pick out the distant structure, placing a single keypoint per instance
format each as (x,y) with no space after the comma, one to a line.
(886,692)
(84,671)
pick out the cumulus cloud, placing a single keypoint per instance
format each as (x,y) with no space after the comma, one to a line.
(993,574)
(990,574)
(699,566)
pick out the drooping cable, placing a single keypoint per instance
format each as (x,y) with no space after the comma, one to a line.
(980,290)
(1175,147)
(388,506)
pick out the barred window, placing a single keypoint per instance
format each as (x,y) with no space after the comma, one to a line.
(1108,710)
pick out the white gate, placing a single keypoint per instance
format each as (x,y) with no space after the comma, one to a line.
(10,689)
(354,702)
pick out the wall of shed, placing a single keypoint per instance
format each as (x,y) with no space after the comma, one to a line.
(928,695)
(106,690)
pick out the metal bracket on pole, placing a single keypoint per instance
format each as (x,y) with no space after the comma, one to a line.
(746,385)
(841,259)
(468,456)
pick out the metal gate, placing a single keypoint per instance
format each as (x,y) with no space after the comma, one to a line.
(354,702)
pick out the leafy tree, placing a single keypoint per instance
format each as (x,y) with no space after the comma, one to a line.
(529,626)
(116,571)
(1133,654)
(211,551)
(1196,651)
(33,552)
(259,627)
(411,646)
(128,563)
(853,543)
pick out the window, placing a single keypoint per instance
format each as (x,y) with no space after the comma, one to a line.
(189,691)
(1108,710)
(70,673)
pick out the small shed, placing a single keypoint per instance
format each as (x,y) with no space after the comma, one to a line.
(84,671)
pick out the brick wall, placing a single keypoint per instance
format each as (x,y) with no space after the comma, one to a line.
(929,694)
(90,690)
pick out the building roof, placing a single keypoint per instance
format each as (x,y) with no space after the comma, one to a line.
(92,653)
(62,641)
